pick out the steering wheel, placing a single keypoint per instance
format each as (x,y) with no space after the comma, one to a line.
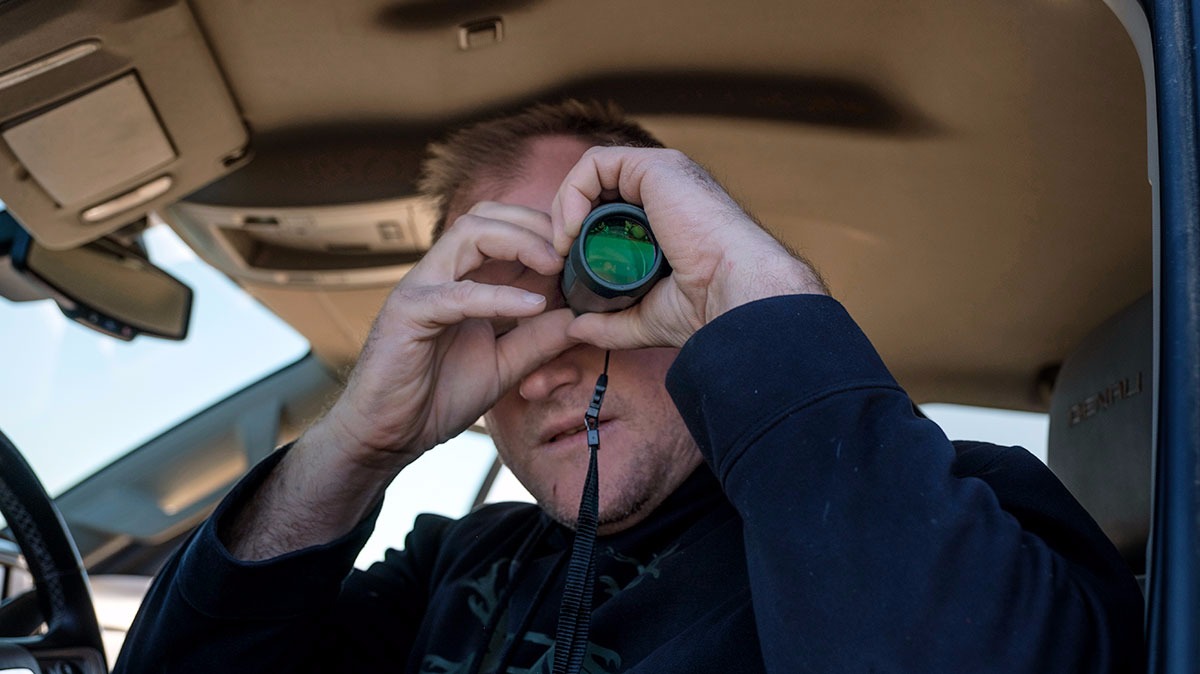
(71,642)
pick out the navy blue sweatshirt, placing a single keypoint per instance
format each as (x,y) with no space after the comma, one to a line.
(832,530)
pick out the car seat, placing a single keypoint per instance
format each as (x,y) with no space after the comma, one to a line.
(1101,427)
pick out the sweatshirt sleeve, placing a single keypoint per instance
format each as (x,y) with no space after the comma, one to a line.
(867,550)
(305,611)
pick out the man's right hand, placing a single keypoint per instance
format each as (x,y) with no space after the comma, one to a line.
(434,362)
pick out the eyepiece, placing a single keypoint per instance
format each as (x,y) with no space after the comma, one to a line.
(614,262)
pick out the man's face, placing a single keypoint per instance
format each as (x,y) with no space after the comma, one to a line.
(645,449)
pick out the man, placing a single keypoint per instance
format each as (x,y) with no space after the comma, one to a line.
(830,530)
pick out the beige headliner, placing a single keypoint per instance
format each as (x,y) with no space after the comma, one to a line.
(976,241)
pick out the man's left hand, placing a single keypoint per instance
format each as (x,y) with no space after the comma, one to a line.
(720,257)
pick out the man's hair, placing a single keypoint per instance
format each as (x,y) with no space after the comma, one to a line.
(491,152)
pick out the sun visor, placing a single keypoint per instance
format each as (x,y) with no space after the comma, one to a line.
(108,116)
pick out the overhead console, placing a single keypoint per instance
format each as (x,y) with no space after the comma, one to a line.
(328,208)
(351,245)
(108,109)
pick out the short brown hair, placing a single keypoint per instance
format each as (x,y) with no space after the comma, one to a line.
(492,150)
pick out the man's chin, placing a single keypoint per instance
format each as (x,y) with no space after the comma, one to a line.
(614,518)
(617,521)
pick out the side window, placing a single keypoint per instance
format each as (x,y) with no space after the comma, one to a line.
(14,578)
(1003,427)
(445,481)
(506,487)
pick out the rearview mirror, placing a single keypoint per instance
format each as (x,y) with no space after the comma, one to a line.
(109,287)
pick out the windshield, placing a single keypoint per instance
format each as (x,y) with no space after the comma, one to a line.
(74,400)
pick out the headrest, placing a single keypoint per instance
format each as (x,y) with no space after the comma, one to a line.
(1101,423)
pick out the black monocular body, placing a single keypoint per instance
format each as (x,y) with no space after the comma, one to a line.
(614,262)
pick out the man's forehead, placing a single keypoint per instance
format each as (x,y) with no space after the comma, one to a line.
(533,182)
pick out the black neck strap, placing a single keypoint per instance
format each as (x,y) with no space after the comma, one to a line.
(575,613)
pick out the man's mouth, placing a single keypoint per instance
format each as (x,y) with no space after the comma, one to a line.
(567,429)
(569,432)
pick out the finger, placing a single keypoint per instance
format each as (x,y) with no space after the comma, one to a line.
(532,343)
(475,239)
(532,219)
(621,330)
(436,307)
(600,170)
(480,238)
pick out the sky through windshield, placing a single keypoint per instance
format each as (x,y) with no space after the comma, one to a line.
(74,400)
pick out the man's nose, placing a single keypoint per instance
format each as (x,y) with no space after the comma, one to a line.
(563,372)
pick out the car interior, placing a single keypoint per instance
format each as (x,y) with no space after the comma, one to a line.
(975,180)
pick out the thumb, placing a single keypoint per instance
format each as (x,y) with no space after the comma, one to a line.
(621,330)
(664,317)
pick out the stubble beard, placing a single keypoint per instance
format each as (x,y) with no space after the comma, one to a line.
(659,460)
(640,483)
(627,502)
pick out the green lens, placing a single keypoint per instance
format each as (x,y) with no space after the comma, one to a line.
(619,250)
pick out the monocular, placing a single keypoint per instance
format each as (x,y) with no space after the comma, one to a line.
(614,261)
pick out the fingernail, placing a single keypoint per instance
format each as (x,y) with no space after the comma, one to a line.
(532,298)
